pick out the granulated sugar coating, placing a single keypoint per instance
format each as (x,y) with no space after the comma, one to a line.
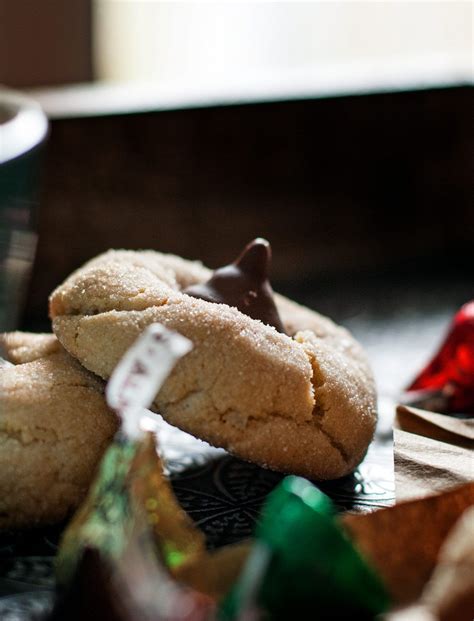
(303,403)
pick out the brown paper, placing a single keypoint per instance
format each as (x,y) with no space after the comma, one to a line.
(432,452)
(459,431)
(449,594)
(403,541)
(450,591)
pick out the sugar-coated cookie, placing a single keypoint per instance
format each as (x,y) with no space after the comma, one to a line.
(301,401)
(54,427)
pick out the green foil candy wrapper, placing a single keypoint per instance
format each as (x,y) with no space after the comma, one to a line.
(303,563)
(129,484)
(105,516)
(120,552)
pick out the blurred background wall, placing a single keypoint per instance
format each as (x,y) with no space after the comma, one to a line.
(58,42)
(344,137)
(234,41)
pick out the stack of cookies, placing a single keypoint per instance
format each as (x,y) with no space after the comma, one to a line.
(269,380)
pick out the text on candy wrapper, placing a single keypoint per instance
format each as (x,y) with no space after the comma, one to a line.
(144,368)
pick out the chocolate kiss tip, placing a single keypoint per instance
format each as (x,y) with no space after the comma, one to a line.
(256,257)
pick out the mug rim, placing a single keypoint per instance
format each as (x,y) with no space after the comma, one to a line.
(26,129)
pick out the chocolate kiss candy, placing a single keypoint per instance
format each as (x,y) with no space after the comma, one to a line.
(451,371)
(244,284)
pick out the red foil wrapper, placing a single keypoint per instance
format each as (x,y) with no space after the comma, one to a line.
(450,374)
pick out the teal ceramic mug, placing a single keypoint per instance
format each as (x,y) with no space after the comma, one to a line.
(23,133)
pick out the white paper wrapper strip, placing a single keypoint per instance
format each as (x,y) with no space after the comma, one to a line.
(141,372)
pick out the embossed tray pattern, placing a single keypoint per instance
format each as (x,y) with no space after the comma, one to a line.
(222,494)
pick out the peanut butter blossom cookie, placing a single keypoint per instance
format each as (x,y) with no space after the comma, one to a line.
(271,381)
(54,428)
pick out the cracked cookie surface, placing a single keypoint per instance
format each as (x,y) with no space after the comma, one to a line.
(54,427)
(301,402)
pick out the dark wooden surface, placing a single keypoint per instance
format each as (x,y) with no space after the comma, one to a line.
(337,185)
